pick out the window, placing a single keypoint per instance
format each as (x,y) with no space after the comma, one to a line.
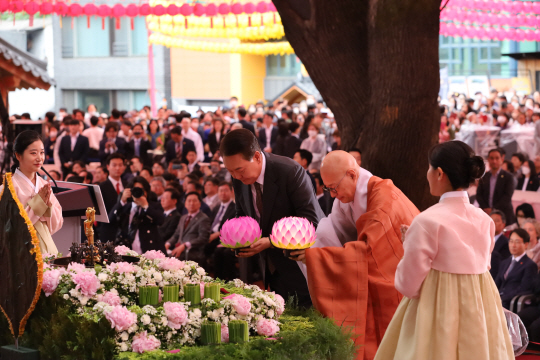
(103,41)
(282,65)
(100,98)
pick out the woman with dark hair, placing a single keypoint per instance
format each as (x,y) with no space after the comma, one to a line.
(34,193)
(528,180)
(215,136)
(155,136)
(451,305)
(283,134)
(137,216)
(304,132)
(523,212)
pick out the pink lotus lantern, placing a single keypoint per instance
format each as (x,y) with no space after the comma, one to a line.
(239,233)
(293,233)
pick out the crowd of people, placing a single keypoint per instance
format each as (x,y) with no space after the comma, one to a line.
(186,194)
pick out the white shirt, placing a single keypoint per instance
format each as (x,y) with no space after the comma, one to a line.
(136,246)
(454,194)
(196,138)
(225,206)
(268,132)
(212,201)
(74,141)
(320,196)
(94,135)
(114,182)
(191,166)
(525,183)
(259,180)
(517,259)
(167,212)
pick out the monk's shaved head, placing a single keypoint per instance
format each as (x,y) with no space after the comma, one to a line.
(340,166)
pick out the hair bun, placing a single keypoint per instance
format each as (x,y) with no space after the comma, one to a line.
(476,168)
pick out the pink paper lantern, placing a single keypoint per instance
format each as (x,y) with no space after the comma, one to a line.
(293,233)
(519,35)
(104,10)
(4,5)
(473,16)
(31,8)
(132,10)
(90,9)
(507,6)
(186,10)
(497,5)
(249,8)
(483,33)
(537,35)
(173,10)
(61,9)
(224,9)
(517,6)
(536,7)
(521,19)
(237,8)
(529,35)
(16,6)
(272,7)
(527,6)
(118,10)
(199,10)
(240,232)
(262,7)
(158,10)
(75,10)
(211,10)
(530,20)
(46,8)
(145,10)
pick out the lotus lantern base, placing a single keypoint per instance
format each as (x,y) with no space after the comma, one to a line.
(238,250)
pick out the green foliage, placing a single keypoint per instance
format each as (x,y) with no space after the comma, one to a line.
(210,332)
(238,331)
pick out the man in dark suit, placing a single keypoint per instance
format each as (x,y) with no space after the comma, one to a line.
(501,241)
(178,146)
(293,141)
(73,147)
(268,188)
(139,146)
(304,158)
(169,200)
(111,190)
(138,219)
(326,201)
(241,119)
(192,232)
(224,264)
(518,272)
(496,188)
(268,133)
(111,142)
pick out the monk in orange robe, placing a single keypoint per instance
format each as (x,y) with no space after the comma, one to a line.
(351,270)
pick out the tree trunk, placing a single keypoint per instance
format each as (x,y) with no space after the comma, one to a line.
(376,64)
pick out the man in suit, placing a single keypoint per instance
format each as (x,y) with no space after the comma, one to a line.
(241,119)
(224,261)
(496,188)
(192,232)
(139,146)
(326,201)
(517,273)
(293,141)
(138,219)
(111,142)
(304,158)
(111,190)
(178,147)
(73,147)
(501,241)
(268,188)
(268,133)
(169,200)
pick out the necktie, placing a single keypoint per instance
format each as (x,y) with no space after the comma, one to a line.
(118,188)
(259,200)
(134,226)
(137,147)
(188,220)
(178,151)
(217,220)
(514,262)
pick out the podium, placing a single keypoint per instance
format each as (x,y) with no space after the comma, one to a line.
(74,199)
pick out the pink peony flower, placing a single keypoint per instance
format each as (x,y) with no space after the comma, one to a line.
(121,318)
(176,314)
(153,254)
(76,267)
(122,250)
(51,279)
(87,283)
(142,342)
(224,333)
(122,267)
(281,304)
(171,264)
(110,298)
(240,303)
(267,327)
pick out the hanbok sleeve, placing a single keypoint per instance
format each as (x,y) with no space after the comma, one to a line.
(36,208)
(420,248)
(53,215)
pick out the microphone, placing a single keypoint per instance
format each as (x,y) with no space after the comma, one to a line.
(50,177)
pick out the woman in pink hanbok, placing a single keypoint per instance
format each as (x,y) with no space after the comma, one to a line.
(34,193)
(451,308)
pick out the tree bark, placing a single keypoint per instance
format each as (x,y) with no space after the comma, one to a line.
(376,64)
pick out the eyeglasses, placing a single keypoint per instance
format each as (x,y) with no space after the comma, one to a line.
(334,189)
